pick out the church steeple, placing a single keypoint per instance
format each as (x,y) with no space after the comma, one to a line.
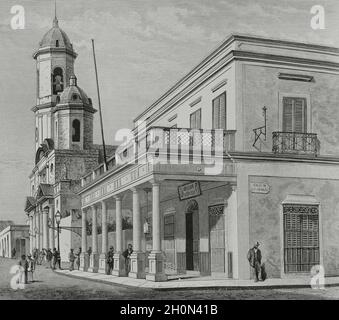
(55,20)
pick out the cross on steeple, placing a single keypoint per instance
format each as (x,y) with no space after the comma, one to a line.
(55,21)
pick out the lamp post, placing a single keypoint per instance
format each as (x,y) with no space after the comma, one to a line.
(57,220)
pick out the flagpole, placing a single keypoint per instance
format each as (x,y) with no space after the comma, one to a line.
(100,112)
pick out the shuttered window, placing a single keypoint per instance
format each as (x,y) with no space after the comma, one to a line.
(219,112)
(294,114)
(195,120)
(169,227)
(301,237)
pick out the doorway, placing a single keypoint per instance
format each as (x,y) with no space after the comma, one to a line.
(192,236)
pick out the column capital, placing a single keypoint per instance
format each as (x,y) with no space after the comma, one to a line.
(233,186)
(135,189)
(155,182)
(45,210)
(117,197)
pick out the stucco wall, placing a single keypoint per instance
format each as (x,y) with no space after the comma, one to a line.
(266,218)
(323,99)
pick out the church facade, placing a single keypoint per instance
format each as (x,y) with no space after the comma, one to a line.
(63,138)
(244,148)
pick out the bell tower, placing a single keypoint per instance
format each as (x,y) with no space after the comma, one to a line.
(54,68)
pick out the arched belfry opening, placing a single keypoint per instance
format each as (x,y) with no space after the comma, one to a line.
(192,236)
(76,130)
(58,80)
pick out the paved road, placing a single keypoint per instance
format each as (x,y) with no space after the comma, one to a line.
(50,285)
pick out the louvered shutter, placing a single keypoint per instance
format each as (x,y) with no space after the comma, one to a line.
(216,113)
(222,112)
(192,120)
(287,114)
(198,119)
(299,115)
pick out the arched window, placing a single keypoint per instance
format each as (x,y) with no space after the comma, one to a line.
(76,131)
(58,80)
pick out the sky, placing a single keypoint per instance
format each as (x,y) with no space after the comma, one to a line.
(143,47)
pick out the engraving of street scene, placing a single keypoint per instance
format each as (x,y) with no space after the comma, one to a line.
(169,150)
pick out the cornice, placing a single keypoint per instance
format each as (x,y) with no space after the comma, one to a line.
(250,55)
(52,50)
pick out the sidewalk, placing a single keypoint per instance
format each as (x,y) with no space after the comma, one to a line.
(209,282)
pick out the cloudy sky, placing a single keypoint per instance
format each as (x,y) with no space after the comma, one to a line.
(143,47)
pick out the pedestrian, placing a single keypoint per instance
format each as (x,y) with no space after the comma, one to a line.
(110,260)
(13,253)
(254,258)
(49,257)
(23,263)
(59,259)
(35,256)
(127,255)
(77,258)
(71,258)
(54,258)
(89,251)
(31,267)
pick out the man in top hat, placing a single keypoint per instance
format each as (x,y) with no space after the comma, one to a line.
(254,258)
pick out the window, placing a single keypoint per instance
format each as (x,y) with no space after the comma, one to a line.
(58,80)
(195,120)
(219,112)
(76,131)
(169,227)
(294,115)
(301,237)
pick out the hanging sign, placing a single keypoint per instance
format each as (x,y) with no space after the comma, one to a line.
(189,190)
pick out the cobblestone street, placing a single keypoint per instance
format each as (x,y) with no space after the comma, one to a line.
(49,285)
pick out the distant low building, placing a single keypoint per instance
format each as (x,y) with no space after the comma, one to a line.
(5,223)
(14,237)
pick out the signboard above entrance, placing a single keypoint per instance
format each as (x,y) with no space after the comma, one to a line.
(189,190)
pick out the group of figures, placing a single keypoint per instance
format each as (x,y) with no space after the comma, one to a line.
(74,258)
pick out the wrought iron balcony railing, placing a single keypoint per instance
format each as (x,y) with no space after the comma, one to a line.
(296,142)
(167,141)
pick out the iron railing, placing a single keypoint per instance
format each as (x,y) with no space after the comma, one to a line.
(295,142)
(167,141)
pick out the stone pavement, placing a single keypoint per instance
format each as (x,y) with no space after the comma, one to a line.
(200,282)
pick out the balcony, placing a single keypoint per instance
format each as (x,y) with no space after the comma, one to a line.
(296,143)
(165,141)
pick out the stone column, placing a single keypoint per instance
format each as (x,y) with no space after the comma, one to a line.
(83,255)
(156,263)
(45,233)
(137,257)
(38,230)
(51,230)
(232,234)
(119,261)
(41,229)
(104,239)
(31,234)
(94,257)
(35,219)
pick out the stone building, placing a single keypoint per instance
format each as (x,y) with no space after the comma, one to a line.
(14,237)
(244,148)
(63,138)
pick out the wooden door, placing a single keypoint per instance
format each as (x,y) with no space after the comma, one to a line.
(217,238)
(196,241)
(189,241)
